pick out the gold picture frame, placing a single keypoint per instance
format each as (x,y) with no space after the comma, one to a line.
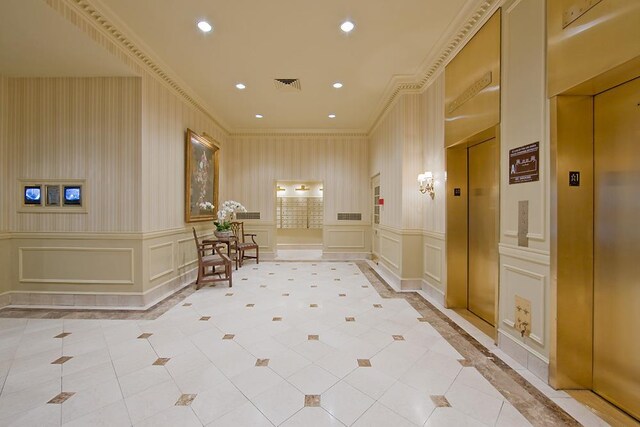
(201,178)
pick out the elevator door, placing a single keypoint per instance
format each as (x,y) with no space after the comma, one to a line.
(483,229)
(616,313)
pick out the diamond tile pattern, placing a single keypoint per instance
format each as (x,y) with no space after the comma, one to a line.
(179,368)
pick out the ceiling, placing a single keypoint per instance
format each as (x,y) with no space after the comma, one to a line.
(253,42)
(36,41)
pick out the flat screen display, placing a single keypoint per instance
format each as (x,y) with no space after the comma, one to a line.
(72,195)
(32,195)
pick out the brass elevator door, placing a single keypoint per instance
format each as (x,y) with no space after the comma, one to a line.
(483,229)
(616,312)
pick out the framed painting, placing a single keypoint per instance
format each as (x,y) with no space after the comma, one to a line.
(201,178)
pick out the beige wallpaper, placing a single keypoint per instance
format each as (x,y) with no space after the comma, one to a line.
(433,154)
(4,158)
(254,163)
(165,119)
(76,128)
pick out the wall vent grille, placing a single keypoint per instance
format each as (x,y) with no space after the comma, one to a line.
(288,85)
(247,215)
(349,216)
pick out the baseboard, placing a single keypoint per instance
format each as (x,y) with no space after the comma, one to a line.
(98,301)
(299,246)
(527,357)
(396,282)
(433,292)
(345,256)
(5,299)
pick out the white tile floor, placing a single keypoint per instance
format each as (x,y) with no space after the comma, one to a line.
(115,381)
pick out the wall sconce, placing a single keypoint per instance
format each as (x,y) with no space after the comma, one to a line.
(426,184)
(278,188)
(302,188)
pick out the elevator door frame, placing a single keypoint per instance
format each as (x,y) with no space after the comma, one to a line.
(572,236)
(457,215)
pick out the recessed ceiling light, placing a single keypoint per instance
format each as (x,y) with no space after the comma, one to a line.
(337,85)
(332,116)
(204,26)
(259,116)
(240,86)
(347,26)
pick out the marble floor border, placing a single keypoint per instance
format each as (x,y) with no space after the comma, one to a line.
(537,408)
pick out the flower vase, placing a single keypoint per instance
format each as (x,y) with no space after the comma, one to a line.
(223,234)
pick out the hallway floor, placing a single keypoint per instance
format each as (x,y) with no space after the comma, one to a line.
(292,344)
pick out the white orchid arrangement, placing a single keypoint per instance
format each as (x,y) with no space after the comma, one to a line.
(206,206)
(227,213)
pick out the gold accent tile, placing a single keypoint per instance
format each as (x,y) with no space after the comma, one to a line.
(250,305)
(333,269)
(185,399)
(398,337)
(61,360)
(342,295)
(263,286)
(61,398)
(422,319)
(271,274)
(350,319)
(285,295)
(228,336)
(245,278)
(187,304)
(314,265)
(313,337)
(161,361)
(313,305)
(440,401)
(277,319)
(294,268)
(230,294)
(364,286)
(62,335)
(466,363)
(255,268)
(145,336)
(312,400)
(262,362)
(314,286)
(205,318)
(364,363)
(337,280)
(291,280)
(377,305)
(314,274)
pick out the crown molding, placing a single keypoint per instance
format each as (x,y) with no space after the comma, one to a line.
(248,133)
(100,18)
(434,65)
(464,27)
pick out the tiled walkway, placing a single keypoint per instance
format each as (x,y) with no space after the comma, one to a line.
(292,343)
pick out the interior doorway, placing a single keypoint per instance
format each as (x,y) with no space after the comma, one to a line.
(299,215)
(616,339)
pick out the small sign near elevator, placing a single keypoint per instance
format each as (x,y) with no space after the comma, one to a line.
(524,164)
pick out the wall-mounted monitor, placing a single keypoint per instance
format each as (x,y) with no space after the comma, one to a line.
(32,195)
(73,195)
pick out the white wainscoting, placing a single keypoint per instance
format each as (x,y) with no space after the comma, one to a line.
(161,260)
(347,238)
(76,265)
(434,265)
(525,272)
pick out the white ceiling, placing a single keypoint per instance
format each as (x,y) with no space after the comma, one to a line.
(36,41)
(253,42)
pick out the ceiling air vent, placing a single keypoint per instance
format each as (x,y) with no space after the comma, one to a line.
(288,85)
(247,215)
(349,216)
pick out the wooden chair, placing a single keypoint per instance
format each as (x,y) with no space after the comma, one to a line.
(211,256)
(242,245)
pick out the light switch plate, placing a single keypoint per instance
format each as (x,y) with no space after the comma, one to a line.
(523,316)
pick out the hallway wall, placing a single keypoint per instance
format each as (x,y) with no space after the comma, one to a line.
(253,164)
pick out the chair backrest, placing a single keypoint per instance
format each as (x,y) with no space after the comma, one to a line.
(238,230)
(195,237)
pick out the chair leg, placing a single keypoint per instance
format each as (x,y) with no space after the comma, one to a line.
(229,274)
(257,255)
